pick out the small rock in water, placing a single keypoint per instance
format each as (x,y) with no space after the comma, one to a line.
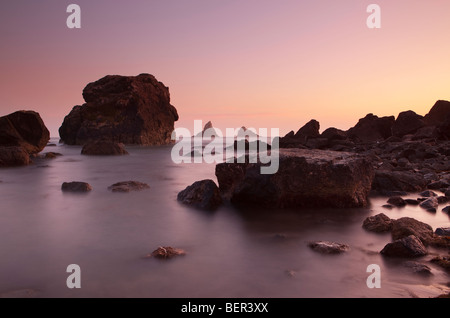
(326,247)
(166,252)
(201,194)
(428,194)
(442,199)
(397,201)
(76,186)
(412,202)
(388,206)
(52,155)
(103,148)
(446,209)
(443,231)
(430,203)
(378,223)
(127,186)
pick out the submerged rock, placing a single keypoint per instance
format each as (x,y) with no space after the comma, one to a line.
(430,203)
(103,148)
(397,201)
(409,246)
(418,268)
(378,223)
(128,186)
(305,178)
(202,194)
(76,186)
(123,109)
(326,247)
(166,252)
(443,262)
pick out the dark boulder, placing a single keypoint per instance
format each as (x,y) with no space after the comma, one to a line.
(13,156)
(406,226)
(299,139)
(166,252)
(430,203)
(407,122)
(372,128)
(378,223)
(24,129)
(409,246)
(438,113)
(397,201)
(122,109)
(76,186)
(201,194)
(443,231)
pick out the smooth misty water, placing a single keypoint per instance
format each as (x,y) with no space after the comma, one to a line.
(230,253)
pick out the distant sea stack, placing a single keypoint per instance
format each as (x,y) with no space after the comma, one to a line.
(22,133)
(122,109)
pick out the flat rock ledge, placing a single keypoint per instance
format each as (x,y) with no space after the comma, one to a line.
(305,178)
(128,186)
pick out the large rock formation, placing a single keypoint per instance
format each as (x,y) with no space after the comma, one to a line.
(24,129)
(438,113)
(299,139)
(22,134)
(305,178)
(123,109)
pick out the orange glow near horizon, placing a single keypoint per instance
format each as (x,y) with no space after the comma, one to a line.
(250,63)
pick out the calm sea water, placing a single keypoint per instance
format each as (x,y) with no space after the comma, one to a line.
(230,253)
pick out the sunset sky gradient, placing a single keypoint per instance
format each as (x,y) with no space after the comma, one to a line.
(258,63)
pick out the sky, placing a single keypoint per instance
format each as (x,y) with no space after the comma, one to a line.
(254,63)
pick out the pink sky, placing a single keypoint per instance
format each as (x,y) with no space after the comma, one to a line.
(258,63)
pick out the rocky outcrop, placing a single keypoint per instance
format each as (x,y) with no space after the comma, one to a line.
(202,194)
(298,140)
(103,148)
(372,128)
(305,178)
(76,186)
(409,246)
(378,223)
(326,247)
(122,109)
(438,113)
(22,134)
(128,186)
(407,123)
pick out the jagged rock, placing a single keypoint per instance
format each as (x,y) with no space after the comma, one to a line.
(128,186)
(407,122)
(438,113)
(122,109)
(305,178)
(201,194)
(378,223)
(103,148)
(76,186)
(334,134)
(326,247)
(409,246)
(372,128)
(429,204)
(308,131)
